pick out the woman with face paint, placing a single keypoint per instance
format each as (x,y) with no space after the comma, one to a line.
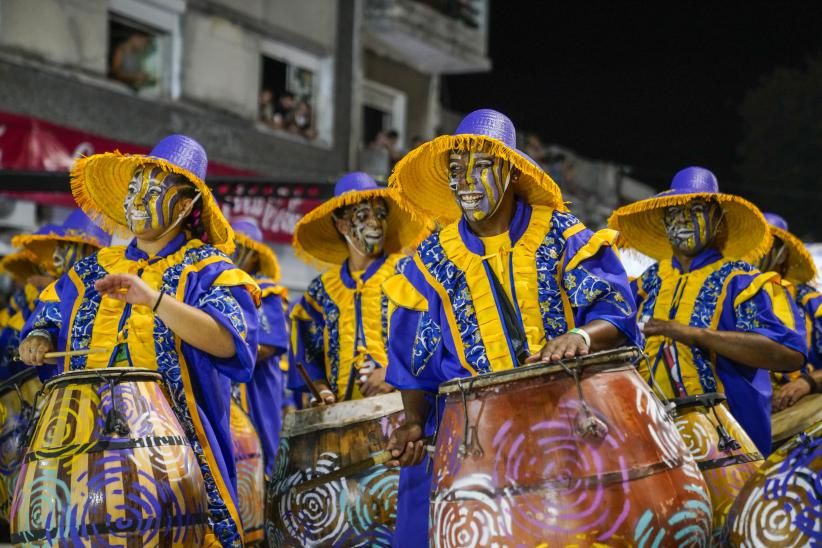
(512,279)
(789,258)
(170,301)
(712,321)
(339,328)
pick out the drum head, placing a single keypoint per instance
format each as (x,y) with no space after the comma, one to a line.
(599,361)
(706,400)
(18,379)
(341,414)
(100,376)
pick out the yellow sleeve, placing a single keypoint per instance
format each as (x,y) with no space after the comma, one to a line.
(400,292)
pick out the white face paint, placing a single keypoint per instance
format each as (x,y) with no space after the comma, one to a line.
(478,181)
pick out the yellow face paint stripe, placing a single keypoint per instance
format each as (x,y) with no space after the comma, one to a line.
(489,192)
(469,171)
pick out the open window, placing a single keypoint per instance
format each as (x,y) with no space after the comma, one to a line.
(383,128)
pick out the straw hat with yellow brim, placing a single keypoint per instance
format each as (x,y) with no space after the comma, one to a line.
(100,184)
(642,227)
(800,268)
(20,265)
(422,176)
(77,228)
(316,238)
(248,235)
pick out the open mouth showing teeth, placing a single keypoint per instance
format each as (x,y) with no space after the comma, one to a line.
(470,199)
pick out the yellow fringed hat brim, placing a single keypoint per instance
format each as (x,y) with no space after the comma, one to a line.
(317,241)
(42,246)
(99,184)
(269,265)
(422,176)
(801,268)
(641,226)
(20,265)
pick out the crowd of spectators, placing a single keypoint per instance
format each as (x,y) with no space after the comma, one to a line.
(287,112)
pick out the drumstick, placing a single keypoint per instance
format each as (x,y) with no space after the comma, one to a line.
(309,383)
(69,354)
(351,470)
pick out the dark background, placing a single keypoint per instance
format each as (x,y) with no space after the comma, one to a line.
(736,88)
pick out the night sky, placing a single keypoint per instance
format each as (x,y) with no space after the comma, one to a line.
(653,88)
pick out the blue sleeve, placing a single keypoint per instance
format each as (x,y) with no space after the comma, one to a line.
(414,350)
(761,314)
(273,327)
(46,317)
(307,345)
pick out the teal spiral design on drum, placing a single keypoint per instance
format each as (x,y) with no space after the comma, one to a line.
(690,526)
(376,502)
(47,500)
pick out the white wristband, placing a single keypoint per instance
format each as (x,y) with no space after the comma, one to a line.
(582,333)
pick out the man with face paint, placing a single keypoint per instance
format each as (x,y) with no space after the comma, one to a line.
(339,329)
(712,321)
(170,301)
(789,258)
(511,279)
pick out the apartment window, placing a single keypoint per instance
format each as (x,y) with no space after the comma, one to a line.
(383,128)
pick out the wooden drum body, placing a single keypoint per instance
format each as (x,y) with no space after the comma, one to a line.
(781,505)
(248,458)
(797,418)
(108,464)
(522,460)
(358,510)
(725,454)
(17,400)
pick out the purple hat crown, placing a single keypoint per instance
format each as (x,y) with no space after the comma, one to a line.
(489,123)
(356,181)
(79,224)
(776,221)
(694,180)
(247,228)
(184,152)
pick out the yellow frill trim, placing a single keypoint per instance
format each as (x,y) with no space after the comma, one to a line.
(97,194)
(801,267)
(421,176)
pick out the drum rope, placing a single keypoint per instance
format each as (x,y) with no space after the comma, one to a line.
(26,439)
(590,425)
(470,443)
(668,404)
(115,420)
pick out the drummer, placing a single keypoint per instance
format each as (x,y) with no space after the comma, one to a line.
(339,328)
(789,258)
(713,322)
(262,398)
(171,300)
(513,279)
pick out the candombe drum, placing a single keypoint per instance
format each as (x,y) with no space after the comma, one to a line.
(108,464)
(781,505)
(359,510)
(571,454)
(248,458)
(17,400)
(725,454)
(789,422)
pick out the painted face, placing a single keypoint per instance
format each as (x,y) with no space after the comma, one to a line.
(775,259)
(153,199)
(693,226)
(245,258)
(367,223)
(478,181)
(66,254)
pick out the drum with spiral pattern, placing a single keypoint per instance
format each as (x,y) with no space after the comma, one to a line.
(108,464)
(248,458)
(358,510)
(720,446)
(17,400)
(574,454)
(781,505)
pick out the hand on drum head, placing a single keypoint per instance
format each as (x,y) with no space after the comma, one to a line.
(327,397)
(563,347)
(374,383)
(790,394)
(407,445)
(34,348)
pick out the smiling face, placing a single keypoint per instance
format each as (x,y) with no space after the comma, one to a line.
(478,181)
(66,254)
(364,225)
(153,201)
(692,227)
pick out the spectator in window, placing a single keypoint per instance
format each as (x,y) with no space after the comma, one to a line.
(302,120)
(266,106)
(127,61)
(284,111)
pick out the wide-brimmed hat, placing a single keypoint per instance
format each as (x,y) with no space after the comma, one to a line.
(100,184)
(77,228)
(800,268)
(422,176)
(642,227)
(20,265)
(316,238)
(248,235)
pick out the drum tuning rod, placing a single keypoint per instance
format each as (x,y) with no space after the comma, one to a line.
(351,470)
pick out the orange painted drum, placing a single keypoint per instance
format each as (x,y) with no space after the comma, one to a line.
(725,454)
(108,465)
(574,454)
(360,510)
(17,400)
(248,457)
(781,505)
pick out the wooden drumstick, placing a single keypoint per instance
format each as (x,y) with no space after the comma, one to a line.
(68,354)
(309,383)
(351,470)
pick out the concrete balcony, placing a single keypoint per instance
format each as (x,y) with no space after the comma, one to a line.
(433,36)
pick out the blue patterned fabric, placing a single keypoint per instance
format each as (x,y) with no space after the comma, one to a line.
(316,335)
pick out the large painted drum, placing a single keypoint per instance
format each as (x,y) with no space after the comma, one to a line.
(574,454)
(248,457)
(797,418)
(722,449)
(359,510)
(17,400)
(108,465)
(782,504)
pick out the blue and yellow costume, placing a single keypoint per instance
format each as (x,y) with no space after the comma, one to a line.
(20,265)
(76,316)
(720,291)
(342,319)
(448,321)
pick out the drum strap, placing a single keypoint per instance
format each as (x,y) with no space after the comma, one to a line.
(513,327)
